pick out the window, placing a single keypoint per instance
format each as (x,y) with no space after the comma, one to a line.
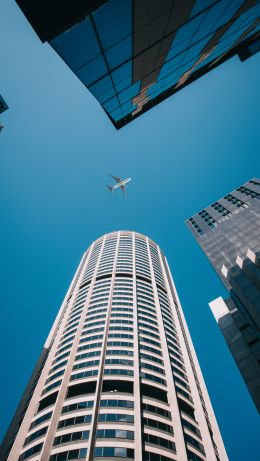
(90,363)
(156,410)
(67,438)
(114,434)
(52,386)
(237,202)
(35,435)
(191,427)
(208,218)
(116,418)
(148,456)
(89,346)
(196,226)
(116,371)
(116,403)
(119,362)
(119,352)
(194,443)
(74,421)
(32,451)
(71,454)
(153,378)
(41,420)
(152,367)
(113,451)
(77,406)
(84,374)
(157,424)
(155,440)
(248,192)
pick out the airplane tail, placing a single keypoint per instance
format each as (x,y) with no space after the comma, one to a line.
(110,188)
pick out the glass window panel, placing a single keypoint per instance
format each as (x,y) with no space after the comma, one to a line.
(185,34)
(229,13)
(130,109)
(129,92)
(92,71)
(172,65)
(77,45)
(200,5)
(119,53)
(112,104)
(103,89)
(122,77)
(120,86)
(113,21)
(120,452)
(195,50)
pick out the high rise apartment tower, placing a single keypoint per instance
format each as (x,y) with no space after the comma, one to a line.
(228,232)
(118,378)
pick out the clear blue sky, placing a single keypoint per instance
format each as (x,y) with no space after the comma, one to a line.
(55,152)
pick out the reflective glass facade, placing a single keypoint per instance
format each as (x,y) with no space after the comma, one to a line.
(131,54)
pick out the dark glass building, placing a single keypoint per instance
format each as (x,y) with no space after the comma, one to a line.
(228,231)
(132,54)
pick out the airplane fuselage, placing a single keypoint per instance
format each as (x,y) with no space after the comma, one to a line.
(122,183)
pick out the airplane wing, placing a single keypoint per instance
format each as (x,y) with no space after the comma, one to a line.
(115,178)
(123,188)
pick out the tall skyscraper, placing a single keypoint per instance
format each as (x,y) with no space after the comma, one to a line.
(133,54)
(228,232)
(118,377)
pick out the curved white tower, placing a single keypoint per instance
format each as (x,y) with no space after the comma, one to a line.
(118,378)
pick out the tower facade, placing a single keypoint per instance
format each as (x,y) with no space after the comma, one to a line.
(228,232)
(118,378)
(133,54)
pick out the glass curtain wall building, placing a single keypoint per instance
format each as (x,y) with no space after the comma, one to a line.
(132,54)
(118,377)
(228,231)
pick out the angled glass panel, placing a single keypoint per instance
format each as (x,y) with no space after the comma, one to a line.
(195,50)
(119,53)
(112,104)
(78,45)
(229,13)
(103,89)
(113,21)
(92,71)
(129,93)
(200,5)
(122,77)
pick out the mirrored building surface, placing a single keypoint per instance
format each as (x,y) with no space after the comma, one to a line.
(132,54)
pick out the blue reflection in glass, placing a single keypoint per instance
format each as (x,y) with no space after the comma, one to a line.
(129,93)
(130,109)
(200,5)
(113,21)
(119,53)
(122,77)
(172,65)
(77,45)
(112,104)
(92,71)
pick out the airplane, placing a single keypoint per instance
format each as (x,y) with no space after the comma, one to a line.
(120,183)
